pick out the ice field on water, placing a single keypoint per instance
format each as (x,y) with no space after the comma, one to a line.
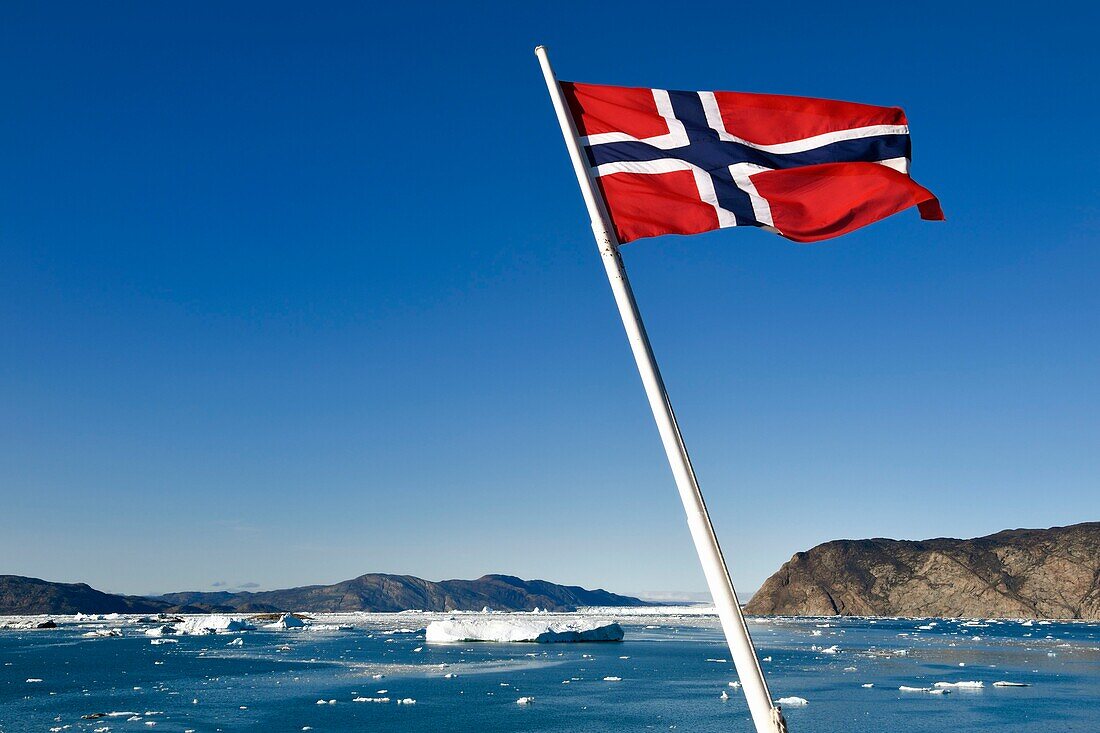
(360,672)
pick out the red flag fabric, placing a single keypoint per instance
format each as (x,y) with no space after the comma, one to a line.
(670,162)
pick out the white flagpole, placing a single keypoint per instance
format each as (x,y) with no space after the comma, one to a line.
(767,719)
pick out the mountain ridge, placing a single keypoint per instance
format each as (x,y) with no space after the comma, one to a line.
(374,592)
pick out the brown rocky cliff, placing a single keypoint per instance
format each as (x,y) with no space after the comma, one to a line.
(1019,573)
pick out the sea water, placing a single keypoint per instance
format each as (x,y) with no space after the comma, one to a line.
(671,672)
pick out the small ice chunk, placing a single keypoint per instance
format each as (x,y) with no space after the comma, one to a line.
(406,701)
(525,701)
(794,702)
(868,685)
(612,679)
(1002,683)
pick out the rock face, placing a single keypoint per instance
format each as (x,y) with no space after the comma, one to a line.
(1019,573)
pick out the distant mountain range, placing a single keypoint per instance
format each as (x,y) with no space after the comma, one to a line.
(373,592)
(1018,573)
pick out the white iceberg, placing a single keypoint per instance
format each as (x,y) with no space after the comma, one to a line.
(968,685)
(287,621)
(1011,684)
(793,701)
(521,629)
(213,625)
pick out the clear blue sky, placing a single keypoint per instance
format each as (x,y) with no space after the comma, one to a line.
(290,294)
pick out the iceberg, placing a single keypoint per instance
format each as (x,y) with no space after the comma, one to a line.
(1011,684)
(287,621)
(521,629)
(793,701)
(213,625)
(161,630)
(969,685)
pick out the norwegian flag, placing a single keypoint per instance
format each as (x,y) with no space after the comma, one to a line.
(808,169)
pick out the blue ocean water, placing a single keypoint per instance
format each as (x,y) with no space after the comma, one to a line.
(272,680)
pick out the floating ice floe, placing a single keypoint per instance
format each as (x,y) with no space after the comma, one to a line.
(236,642)
(161,630)
(514,628)
(371,699)
(525,701)
(724,696)
(287,621)
(406,701)
(735,685)
(1002,683)
(793,702)
(29,624)
(868,685)
(102,633)
(612,679)
(968,685)
(213,625)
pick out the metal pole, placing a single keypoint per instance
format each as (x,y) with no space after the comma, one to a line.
(766,718)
